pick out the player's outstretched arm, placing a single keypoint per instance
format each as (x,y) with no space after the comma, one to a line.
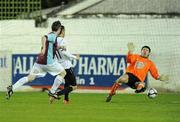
(131,47)
(71,56)
(155,74)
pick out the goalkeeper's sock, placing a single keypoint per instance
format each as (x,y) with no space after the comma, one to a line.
(19,83)
(64,91)
(114,88)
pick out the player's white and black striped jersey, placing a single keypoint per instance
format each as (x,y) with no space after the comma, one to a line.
(63,56)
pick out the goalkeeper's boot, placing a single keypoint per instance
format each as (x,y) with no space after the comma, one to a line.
(9,92)
(108,98)
(53,97)
(113,91)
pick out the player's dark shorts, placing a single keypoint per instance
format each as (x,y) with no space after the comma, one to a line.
(132,81)
(70,77)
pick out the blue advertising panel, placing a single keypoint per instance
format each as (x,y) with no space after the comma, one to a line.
(99,70)
(90,70)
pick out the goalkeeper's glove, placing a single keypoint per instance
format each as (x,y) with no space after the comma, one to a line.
(163,77)
(131,47)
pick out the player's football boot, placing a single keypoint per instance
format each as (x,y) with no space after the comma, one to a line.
(9,92)
(108,98)
(66,101)
(53,97)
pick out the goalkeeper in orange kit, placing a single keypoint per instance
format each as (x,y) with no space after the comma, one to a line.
(137,70)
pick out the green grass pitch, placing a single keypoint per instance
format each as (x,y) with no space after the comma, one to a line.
(34,107)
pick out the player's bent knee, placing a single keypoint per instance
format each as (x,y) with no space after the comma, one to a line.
(63,74)
(140,85)
(121,80)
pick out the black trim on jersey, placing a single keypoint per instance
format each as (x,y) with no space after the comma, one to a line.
(55,46)
(58,55)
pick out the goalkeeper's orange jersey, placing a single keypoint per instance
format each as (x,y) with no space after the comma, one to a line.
(140,66)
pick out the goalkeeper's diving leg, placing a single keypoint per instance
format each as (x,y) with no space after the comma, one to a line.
(122,79)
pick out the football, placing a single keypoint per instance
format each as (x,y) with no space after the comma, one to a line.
(152,93)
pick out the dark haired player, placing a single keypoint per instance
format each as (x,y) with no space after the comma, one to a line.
(64,58)
(44,63)
(136,72)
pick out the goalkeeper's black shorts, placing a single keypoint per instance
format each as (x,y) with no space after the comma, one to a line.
(132,81)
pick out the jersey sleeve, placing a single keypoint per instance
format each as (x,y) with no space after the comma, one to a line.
(154,71)
(131,57)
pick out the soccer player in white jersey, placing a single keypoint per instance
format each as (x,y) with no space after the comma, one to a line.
(44,63)
(65,58)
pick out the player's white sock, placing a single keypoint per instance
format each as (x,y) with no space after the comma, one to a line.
(20,82)
(57,82)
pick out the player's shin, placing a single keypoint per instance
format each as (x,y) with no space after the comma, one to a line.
(114,88)
(66,96)
(57,82)
(19,83)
